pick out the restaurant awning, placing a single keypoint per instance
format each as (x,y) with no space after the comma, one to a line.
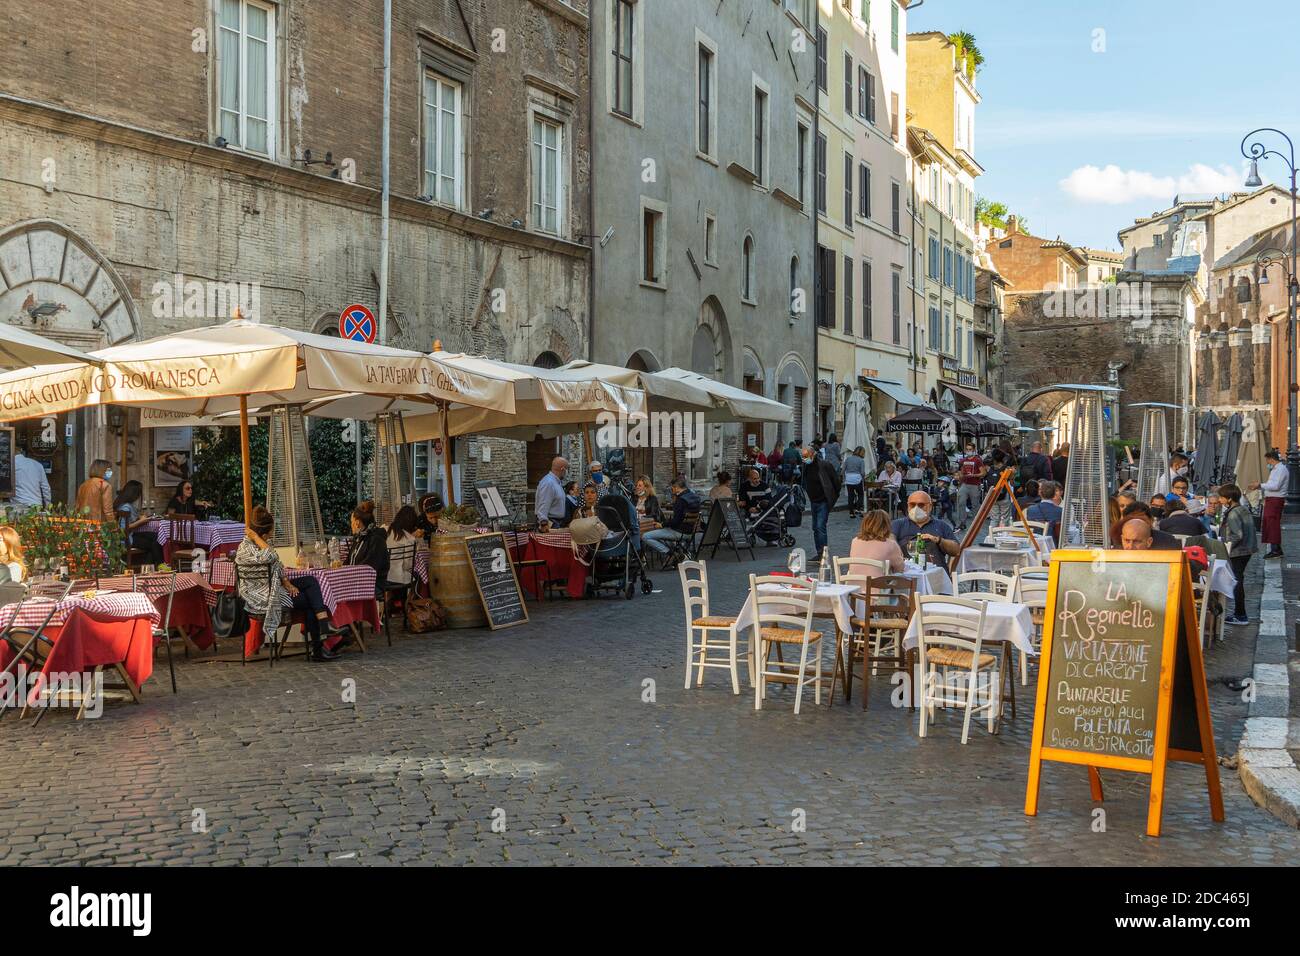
(895,390)
(923,420)
(979,398)
(993,414)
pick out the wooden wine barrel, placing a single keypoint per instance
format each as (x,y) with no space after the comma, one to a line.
(452,582)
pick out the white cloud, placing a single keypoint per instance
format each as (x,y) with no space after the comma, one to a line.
(1111,185)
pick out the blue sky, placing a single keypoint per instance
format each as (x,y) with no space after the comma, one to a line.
(1082,142)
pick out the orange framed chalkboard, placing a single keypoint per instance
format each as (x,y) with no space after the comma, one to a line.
(1121,681)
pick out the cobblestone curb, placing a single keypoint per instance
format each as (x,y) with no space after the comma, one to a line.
(1265,766)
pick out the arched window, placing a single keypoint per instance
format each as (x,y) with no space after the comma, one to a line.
(747,270)
(548,359)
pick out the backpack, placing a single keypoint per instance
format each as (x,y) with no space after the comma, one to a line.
(794,509)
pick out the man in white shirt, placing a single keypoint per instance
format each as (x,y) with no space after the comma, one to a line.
(1177,468)
(548,504)
(1274,488)
(31,487)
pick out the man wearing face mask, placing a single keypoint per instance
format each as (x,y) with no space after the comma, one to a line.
(937,534)
(1177,469)
(823,486)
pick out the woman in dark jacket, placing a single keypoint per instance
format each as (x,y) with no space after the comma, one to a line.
(369,546)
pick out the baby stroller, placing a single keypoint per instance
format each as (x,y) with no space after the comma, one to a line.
(770,525)
(616,564)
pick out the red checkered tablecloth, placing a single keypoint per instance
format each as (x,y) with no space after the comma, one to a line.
(207,534)
(337,585)
(156,586)
(112,606)
(419,567)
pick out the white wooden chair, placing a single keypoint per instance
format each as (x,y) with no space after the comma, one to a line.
(1201,596)
(955,669)
(785,618)
(702,624)
(1031,591)
(984,585)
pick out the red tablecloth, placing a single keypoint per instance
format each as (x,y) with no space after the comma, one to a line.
(190,604)
(561,565)
(85,641)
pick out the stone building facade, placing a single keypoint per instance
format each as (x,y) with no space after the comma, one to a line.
(163,164)
(1241,334)
(704,119)
(1137,341)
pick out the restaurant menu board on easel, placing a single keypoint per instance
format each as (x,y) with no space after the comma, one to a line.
(494,574)
(6,462)
(1121,681)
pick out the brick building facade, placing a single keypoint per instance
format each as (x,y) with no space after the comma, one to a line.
(133,152)
(1032,262)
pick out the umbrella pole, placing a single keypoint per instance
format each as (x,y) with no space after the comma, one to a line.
(126,428)
(243,454)
(446,457)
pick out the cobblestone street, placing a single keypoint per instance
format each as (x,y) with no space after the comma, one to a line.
(543,729)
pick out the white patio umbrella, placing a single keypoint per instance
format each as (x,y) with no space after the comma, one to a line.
(988,411)
(1251,466)
(857,427)
(20,348)
(216,370)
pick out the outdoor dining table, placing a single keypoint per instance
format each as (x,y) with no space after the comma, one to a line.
(214,537)
(1004,621)
(932,579)
(1006,560)
(190,603)
(112,629)
(555,548)
(347,592)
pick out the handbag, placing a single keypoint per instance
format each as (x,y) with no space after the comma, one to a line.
(424,615)
(229,616)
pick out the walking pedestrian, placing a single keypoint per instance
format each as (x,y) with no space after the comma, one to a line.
(1237,531)
(823,487)
(970,495)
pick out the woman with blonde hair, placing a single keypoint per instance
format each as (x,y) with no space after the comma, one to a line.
(647,502)
(875,540)
(13,569)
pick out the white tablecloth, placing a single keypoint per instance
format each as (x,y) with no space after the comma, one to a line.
(831,599)
(933,580)
(980,558)
(1221,577)
(1004,621)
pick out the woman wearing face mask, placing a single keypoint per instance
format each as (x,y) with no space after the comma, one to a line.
(95,496)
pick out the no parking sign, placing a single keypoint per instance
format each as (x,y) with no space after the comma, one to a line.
(357,323)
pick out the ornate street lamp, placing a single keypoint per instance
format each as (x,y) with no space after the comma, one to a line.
(1256,151)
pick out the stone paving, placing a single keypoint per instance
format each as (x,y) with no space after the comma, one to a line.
(534,745)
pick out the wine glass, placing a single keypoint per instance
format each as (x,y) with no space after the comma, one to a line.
(796,562)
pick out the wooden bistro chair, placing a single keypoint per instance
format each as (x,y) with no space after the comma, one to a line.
(261,574)
(182,542)
(888,603)
(393,589)
(1031,591)
(684,547)
(163,631)
(702,623)
(952,661)
(855,571)
(785,617)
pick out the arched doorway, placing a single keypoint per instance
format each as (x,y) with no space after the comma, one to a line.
(56,284)
(751,379)
(711,357)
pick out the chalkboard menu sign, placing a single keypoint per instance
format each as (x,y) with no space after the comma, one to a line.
(494,575)
(723,522)
(1121,682)
(6,462)
(1108,635)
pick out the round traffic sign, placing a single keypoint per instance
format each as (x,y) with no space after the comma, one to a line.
(357,323)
